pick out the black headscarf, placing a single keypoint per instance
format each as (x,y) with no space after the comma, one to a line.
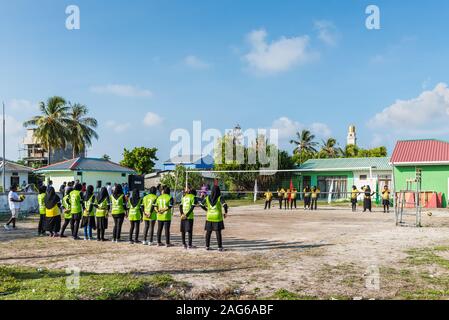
(153,190)
(89,193)
(69,190)
(51,198)
(118,191)
(43,189)
(103,195)
(135,197)
(215,194)
(78,187)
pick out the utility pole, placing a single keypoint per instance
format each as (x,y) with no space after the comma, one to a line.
(4,144)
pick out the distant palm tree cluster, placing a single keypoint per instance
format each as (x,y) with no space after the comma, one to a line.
(61,124)
(306,147)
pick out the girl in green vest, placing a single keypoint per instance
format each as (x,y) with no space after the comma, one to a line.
(186,208)
(67,211)
(118,210)
(88,222)
(52,212)
(135,209)
(76,209)
(41,203)
(149,216)
(102,208)
(214,206)
(164,209)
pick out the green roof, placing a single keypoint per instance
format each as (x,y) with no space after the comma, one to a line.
(346,164)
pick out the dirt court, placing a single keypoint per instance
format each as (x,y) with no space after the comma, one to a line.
(325,254)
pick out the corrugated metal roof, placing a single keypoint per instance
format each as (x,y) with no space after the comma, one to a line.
(86,164)
(420,151)
(341,164)
(15,167)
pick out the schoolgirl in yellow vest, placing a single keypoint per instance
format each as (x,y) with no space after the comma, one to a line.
(186,208)
(118,210)
(281,197)
(52,212)
(367,203)
(286,198)
(150,215)
(102,208)
(42,211)
(88,222)
(135,209)
(76,209)
(67,212)
(314,198)
(386,199)
(354,198)
(268,198)
(307,197)
(293,196)
(214,204)
(164,207)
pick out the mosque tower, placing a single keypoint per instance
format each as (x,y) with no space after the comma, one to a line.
(352,138)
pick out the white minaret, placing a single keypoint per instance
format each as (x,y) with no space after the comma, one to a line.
(352,138)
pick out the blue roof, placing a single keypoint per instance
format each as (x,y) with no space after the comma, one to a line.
(86,164)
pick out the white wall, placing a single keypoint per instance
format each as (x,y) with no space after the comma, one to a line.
(23,176)
(29,206)
(372,182)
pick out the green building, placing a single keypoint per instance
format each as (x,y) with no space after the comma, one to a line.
(430,158)
(339,175)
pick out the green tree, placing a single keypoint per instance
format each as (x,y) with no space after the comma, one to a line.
(81,128)
(330,149)
(141,159)
(51,125)
(176,180)
(305,146)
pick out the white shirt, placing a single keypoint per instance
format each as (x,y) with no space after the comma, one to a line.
(13,205)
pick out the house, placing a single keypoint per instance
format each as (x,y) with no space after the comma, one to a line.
(193,162)
(92,171)
(16,174)
(430,158)
(340,174)
(154,179)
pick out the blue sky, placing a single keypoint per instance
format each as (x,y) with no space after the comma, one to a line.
(145,68)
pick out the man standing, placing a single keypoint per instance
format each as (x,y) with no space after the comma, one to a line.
(14,205)
(62,189)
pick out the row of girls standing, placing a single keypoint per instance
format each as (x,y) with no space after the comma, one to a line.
(91,212)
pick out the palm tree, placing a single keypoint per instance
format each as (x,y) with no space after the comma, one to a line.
(329,149)
(51,125)
(81,128)
(305,143)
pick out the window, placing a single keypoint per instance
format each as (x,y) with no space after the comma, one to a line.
(363,177)
(338,185)
(123,175)
(79,173)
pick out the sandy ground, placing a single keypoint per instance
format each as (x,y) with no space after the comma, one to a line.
(302,251)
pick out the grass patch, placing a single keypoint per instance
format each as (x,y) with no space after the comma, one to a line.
(20,283)
(284,294)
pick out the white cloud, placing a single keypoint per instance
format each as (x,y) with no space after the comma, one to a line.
(122,90)
(21,105)
(287,128)
(277,56)
(118,127)
(196,63)
(152,119)
(427,114)
(327,32)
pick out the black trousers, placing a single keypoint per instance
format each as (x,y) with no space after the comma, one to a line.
(160,226)
(66,223)
(367,204)
(354,205)
(219,238)
(314,204)
(118,223)
(267,204)
(149,225)
(76,224)
(41,226)
(285,204)
(280,203)
(293,203)
(135,226)
(101,227)
(189,231)
(306,202)
(386,204)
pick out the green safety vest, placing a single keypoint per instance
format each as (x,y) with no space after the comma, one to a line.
(75,202)
(188,201)
(102,208)
(117,206)
(88,203)
(163,202)
(148,202)
(66,205)
(135,214)
(214,213)
(41,202)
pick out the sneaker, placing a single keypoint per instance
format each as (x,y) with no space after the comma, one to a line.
(151,243)
(137,241)
(207,248)
(160,244)
(6,227)
(99,239)
(192,247)
(221,249)
(145,243)
(86,238)
(185,246)
(169,245)
(131,242)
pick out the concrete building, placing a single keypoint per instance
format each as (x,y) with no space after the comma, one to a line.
(92,171)
(431,159)
(15,174)
(352,136)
